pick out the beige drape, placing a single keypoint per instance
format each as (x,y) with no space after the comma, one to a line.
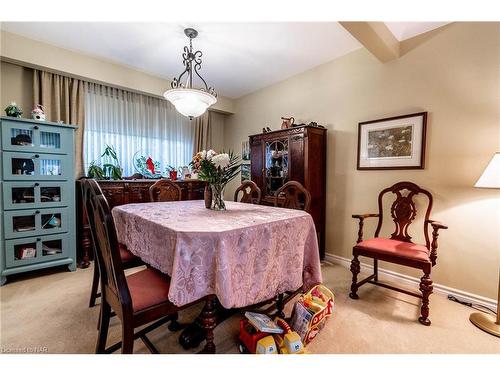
(63,99)
(202,133)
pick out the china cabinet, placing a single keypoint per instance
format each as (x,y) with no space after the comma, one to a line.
(37,199)
(294,154)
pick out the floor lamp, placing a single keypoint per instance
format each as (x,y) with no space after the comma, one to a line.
(489,179)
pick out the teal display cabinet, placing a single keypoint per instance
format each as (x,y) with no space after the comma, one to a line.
(37,196)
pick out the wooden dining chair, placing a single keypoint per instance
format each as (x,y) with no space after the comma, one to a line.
(164,191)
(399,248)
(138,299)
(128,259)
(251,192)
(293,195)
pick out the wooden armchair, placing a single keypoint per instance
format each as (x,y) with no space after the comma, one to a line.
(138,299)
(295,196)
(251,193)
(399,248)
(164,191)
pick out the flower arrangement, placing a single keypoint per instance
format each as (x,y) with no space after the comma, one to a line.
(217,169)
(13,110)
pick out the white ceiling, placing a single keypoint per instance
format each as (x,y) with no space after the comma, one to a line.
(406,30)
(238,58)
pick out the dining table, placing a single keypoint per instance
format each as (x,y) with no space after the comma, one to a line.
(238,257)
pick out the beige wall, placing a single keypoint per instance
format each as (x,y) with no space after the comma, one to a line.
(217,121)
(455,77)
(32,53)
(16,85)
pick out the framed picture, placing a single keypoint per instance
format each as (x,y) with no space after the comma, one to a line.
(245,151)
(245,172)
(392,143)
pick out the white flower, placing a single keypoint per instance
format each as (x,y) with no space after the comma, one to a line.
(13,104)
(221,160)
(204,154)
(210,154)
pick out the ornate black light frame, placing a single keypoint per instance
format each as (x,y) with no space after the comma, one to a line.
(192,61)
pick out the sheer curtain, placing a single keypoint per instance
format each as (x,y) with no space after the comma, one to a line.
(135,125)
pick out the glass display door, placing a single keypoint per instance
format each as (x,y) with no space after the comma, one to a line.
(23,251)
(30,166)
(28,194)
(25,223)
(276,167)
(33,137)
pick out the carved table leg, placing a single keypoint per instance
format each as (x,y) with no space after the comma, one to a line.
(426,289)
(355,269)
(209,323)
(194,334)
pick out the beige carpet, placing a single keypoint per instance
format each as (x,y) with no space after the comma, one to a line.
(51,311)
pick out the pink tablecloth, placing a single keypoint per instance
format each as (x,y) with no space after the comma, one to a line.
(244,255)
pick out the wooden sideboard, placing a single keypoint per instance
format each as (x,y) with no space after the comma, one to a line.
(119,192)
(293,154)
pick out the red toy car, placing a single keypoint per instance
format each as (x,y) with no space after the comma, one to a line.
(249,336)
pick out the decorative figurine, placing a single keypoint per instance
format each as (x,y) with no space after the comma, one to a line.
(12,110)
(287,122)
(38,113)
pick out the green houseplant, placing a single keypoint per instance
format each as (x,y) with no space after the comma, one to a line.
(110,169)
(13,110)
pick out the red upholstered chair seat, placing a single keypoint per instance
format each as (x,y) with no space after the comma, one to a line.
(148,288)
(125,255)
(395,248)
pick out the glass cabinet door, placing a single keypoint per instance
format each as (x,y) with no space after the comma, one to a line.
(22,251)
(36,137)
(276,167)
(25,223)
(27,194)
(30,166)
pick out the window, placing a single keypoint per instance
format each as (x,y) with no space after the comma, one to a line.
(135,125)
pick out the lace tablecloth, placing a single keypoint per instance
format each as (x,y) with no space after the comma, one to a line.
(244,255)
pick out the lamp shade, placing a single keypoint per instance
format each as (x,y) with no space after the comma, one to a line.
(190,102)
(491,175)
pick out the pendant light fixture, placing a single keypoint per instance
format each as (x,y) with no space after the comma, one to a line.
(190,101)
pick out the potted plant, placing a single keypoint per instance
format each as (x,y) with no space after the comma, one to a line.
(112,167)
(95,171)
(13,110)
(217,170)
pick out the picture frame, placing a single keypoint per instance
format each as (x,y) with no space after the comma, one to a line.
(245,172)
(392,143)
(245,151)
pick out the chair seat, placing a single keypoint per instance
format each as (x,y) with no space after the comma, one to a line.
(397,249)
(125,255)
(148,288)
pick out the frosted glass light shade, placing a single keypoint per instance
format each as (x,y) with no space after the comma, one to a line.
(190,102)
(491,175)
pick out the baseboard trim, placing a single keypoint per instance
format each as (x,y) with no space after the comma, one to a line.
(414,282)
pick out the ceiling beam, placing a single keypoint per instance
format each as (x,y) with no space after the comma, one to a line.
(376,38)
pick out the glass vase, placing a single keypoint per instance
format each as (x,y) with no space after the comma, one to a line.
(218,197)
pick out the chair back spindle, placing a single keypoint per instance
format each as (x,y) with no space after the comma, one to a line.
(164,191)
(296,196)
(251,193)
(403,210)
